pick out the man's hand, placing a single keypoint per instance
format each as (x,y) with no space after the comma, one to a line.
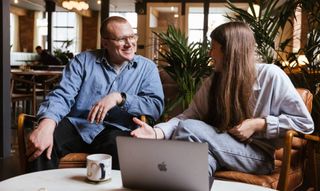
(41,139)
(247,128)
(100,109)
(146,131)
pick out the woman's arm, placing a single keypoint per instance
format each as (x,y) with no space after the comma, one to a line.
(247,128)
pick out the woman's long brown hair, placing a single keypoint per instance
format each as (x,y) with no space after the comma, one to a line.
(232,86)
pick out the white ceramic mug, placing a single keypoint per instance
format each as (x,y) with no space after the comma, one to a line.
(99,167)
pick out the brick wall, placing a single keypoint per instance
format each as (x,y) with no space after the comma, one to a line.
(26,31)
(90,31)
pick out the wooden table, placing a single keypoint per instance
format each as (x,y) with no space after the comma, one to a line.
(74,179)
(35,77)
(36,72)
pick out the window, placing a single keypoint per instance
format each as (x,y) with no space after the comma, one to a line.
(130,16)
(195,24)
(41,32)
(64,31)
(217,13)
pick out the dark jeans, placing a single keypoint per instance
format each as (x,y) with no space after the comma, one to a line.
(67,140)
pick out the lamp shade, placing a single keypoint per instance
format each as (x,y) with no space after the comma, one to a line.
(78,5)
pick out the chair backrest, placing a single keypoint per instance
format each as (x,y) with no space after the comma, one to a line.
(307,97)
(289,161)
(297,143)
(23,119)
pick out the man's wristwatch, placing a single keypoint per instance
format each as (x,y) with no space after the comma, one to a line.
(124,97)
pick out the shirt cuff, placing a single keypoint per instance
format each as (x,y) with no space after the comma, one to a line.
(47,116)
(168,127)
(272,130)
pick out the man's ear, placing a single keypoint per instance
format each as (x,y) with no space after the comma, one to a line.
(104,42)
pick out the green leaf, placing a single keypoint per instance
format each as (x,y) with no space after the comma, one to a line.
(187,64)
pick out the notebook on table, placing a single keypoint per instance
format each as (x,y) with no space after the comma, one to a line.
(163,164)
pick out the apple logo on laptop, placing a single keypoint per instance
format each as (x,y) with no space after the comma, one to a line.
(162,166)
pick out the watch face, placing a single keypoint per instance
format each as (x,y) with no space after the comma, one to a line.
(123,95)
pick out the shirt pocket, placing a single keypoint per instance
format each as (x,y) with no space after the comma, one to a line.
(90,94)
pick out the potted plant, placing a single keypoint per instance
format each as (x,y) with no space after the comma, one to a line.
(187,64)
(66,55)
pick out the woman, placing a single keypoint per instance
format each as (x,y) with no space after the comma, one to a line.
(241,111)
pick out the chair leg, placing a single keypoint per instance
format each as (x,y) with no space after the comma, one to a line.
(313,166)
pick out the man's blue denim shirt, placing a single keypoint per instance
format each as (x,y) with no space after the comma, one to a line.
(89,77)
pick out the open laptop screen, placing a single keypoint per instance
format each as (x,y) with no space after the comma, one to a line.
(163,164)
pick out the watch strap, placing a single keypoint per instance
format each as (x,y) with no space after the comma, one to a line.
(124,97)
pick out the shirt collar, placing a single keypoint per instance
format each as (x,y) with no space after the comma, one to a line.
(102,59)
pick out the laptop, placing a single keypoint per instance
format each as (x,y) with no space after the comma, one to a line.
(163,164)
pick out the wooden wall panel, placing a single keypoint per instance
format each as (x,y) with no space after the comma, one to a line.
(90,31)
(26,31)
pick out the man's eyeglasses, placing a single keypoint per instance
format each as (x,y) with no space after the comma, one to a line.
(122,40)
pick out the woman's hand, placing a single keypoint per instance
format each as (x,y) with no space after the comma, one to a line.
(145,131)
(247,128)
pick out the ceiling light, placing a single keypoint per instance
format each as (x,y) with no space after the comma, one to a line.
(16,1)
(78,4)
(99,2)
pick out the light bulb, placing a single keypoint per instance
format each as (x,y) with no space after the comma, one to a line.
(86,6)
(67,5)
(83,5)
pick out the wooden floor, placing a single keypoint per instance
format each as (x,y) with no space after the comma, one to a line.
(10,166)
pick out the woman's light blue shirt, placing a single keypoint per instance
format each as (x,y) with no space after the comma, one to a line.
(275,99)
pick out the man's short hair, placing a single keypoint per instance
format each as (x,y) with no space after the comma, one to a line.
(104,25)
(38,47)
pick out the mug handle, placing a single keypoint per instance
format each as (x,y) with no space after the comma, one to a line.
(103,172)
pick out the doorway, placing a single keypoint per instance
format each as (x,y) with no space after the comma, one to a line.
(159,17)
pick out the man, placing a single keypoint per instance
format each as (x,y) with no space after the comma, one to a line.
(46,58)
(99,94)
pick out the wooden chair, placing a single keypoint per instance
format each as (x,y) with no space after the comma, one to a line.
(45,84)
(292,161)
(24,89)
(26,123)
(25,93)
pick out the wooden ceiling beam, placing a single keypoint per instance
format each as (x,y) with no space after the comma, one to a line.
(18,11)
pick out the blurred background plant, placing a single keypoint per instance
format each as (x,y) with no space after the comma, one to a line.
(269,21)
(187,64)
(63,53)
